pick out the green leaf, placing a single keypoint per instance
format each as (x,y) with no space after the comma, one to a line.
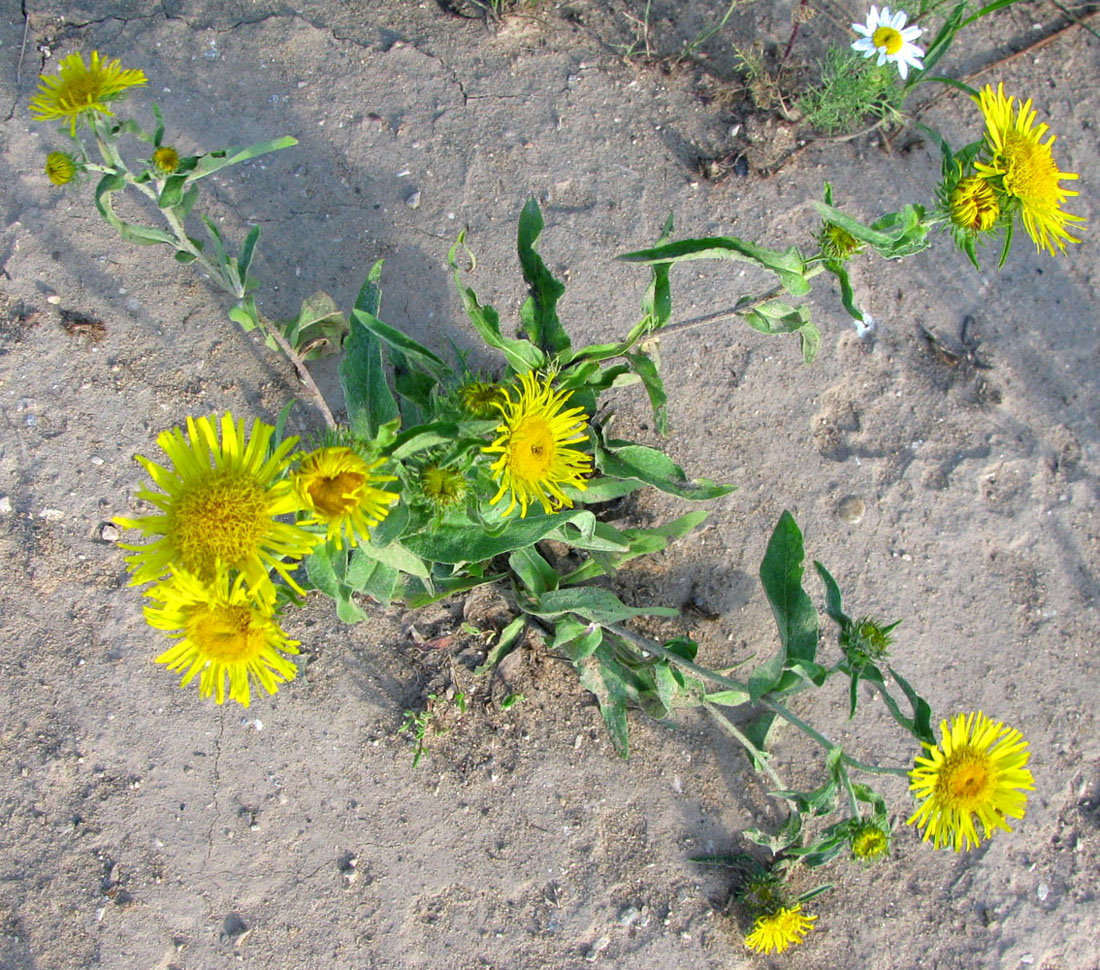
(319,327)
(795,616)
(576,640)
(370,402)
(593,603)
(621,459)
(321,573)
(612,694)
(131,232)
(646,368)
(395,556)
(759,732)
(369,298)
(522,355)
(382,584)
(539,314)
(533,571)
(657,303)
(834,608)
(510,638)
(779,317)
(223,157)
(894,236)
(922,713)
(788,265)
(420,355)
(847,297)
(461,542)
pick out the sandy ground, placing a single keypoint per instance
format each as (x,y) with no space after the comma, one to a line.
(142,828)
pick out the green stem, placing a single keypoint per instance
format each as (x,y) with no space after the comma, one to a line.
(115,164)
(658,650)
(741,307)
(759,757)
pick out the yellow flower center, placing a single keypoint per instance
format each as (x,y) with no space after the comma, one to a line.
(79,91)
(965,783)
(869,844)
(1030,172)
(531,448)
(225,633)
(888,39)
(166,159)
(335,495)
(222,518)
(974,205)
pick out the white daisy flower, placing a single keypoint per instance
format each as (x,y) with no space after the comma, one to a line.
(885,34)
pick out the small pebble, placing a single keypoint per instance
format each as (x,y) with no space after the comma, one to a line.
(1043,891)
(597,948)
(413,201)
(109,532)
(51,515)
(5,505)
(850,509)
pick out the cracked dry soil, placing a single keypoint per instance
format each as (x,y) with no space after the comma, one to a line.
(142,828)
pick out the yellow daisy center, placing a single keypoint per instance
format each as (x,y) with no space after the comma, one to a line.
(974,205)
(224,517)
(1030,172)
(965,783)
(531,449)
(335,495)
(869,844)
(226,634)
(888,39)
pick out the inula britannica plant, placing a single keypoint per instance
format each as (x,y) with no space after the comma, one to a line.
(429,480)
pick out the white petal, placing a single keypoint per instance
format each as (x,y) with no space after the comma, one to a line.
(882,57)
(911,33)
(863,31)
(903,69)
(865,45)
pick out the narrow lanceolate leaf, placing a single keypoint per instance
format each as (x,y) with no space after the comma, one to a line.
(787,264)
(522,355)
(370,403)
(539,314)
(795,615)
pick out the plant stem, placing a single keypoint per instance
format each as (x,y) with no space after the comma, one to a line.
(115,165)
(738,309)
(659,650)
(301,370)
(760,758)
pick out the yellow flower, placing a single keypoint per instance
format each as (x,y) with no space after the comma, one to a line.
(219,503)
(77,90)
(534,461)
(1024,168)
(973,205)
(166,160)
(60,168)
(337,488)
(480,398)
(224,632)
(869,842)
(777,931)
(977,770)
